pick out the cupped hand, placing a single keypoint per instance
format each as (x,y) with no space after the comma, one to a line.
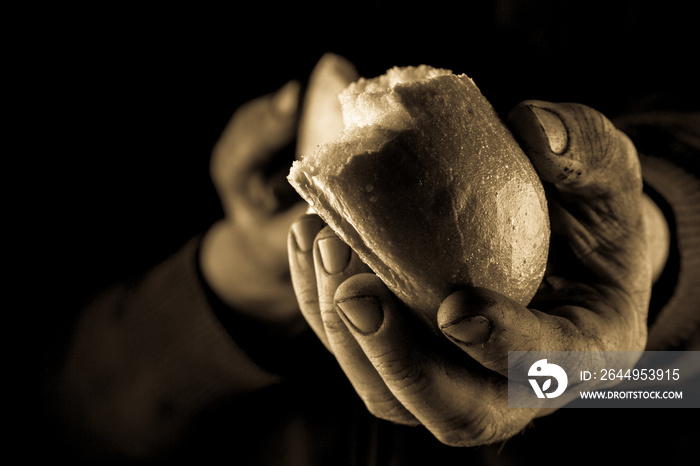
(594,296)
(244,256)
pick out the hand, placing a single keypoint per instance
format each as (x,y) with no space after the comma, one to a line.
(244,257)
(594,297)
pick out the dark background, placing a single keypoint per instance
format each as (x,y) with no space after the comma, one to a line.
(119,108)
(132,101)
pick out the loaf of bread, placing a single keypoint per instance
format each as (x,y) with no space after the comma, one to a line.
(428,186)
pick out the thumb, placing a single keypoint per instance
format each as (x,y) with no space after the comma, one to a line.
(597,201)
(576,148)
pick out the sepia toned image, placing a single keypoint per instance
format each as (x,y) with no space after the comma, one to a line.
(363,234)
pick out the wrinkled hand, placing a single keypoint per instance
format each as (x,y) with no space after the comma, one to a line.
(594,297)
(244,256)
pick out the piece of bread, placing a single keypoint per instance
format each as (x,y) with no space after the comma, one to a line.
(430,189)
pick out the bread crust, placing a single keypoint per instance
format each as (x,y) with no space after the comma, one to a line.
(434,202)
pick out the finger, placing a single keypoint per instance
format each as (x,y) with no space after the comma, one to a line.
(300,243)
(458,401)
(487,325)
(256,132)
(335,263)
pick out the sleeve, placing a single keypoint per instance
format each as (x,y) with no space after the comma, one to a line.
(669,149)
(145,358)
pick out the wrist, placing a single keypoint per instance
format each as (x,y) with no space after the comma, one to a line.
(231,268)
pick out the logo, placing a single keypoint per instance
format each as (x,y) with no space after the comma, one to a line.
(542,368)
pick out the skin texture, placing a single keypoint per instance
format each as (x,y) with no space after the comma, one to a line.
(594,296)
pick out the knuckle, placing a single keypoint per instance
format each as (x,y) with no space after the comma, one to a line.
(390,410)
(307,298)
(475,429)
(400,372)
(482,426)
(332,322)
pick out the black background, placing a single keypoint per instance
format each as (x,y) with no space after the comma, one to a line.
(118,108)
(130,102)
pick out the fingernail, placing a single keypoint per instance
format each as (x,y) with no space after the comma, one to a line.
(468,330)
(335,254)
(286,99)
(364,314)
(553,128)
(304,232)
